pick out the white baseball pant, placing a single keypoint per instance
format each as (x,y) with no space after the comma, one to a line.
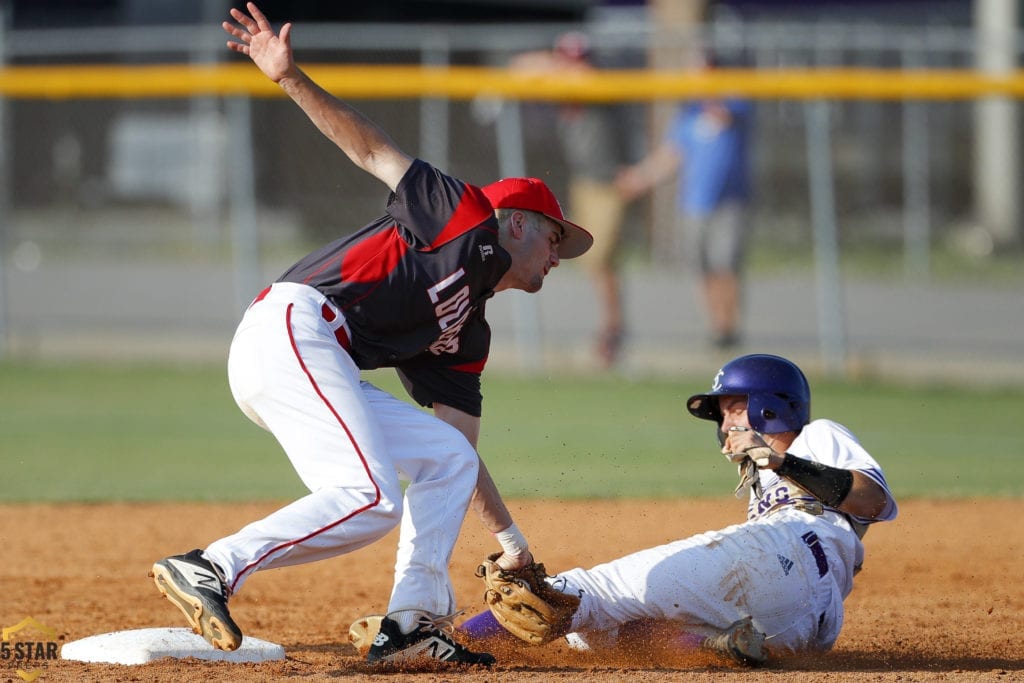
(763,568)
(351,444)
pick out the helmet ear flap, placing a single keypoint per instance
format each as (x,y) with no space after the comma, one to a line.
(773,413)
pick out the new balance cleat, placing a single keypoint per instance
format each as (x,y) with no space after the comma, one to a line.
(741,642)
(431,639)
(196,586)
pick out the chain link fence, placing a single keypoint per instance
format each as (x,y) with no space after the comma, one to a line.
(119,237)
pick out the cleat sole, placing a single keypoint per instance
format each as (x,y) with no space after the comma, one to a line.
(208,626)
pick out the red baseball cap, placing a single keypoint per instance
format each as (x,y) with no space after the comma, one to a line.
(531,194)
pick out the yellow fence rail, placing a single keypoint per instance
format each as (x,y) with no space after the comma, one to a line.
(461,83)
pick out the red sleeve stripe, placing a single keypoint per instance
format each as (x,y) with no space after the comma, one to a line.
(473,209)
(475,367)
(372,259)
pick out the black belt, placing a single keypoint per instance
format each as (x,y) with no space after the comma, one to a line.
(814,544)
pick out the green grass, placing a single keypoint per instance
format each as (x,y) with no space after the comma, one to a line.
(131,433)
(606,437)
(97,433)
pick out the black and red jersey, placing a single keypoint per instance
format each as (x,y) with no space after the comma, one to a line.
(412,286)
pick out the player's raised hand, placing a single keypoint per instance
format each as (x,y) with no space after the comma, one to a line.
(255,37)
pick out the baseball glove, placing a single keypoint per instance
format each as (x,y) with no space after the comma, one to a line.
(523,602)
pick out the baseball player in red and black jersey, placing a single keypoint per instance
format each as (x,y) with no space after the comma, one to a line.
(407,291)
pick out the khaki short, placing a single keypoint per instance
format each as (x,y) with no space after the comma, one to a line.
(596,206)
(716,243)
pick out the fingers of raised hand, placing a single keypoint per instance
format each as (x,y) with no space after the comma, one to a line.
(261,20)
(238,34)
(242,18)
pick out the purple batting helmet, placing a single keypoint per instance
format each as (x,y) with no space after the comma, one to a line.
(778,396)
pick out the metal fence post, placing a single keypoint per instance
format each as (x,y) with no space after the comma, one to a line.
(916,195)
(245,250)
(434,137)
(5,142)
(512,163)
(831,325)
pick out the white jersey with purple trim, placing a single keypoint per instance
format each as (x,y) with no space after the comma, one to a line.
(789,566)
(832,444)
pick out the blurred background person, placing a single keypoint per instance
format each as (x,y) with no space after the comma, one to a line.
(596,140)
(707,146)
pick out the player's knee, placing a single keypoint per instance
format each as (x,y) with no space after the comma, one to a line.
(464,459)
(459,464)
(381,503)
(456,453)
(388,506)
(389,510)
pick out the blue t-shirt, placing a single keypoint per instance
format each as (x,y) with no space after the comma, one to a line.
(716,158)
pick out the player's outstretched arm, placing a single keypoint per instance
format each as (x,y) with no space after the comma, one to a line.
(487,502)
(494,515)
(365,143)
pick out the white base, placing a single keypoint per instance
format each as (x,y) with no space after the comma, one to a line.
(148,644)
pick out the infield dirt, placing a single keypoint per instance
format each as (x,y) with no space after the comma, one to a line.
(941,596)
